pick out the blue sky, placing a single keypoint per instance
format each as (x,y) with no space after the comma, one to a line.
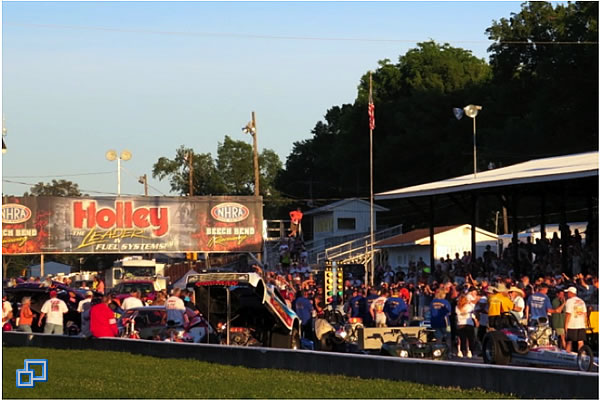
(80,78)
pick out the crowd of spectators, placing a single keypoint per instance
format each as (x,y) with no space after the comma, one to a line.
(463,282)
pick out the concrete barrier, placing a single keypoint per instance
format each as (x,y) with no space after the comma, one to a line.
(523,382)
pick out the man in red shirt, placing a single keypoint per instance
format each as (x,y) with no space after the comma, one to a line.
(102,320)
(296,217)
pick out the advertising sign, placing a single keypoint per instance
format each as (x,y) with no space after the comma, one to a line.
(33,225)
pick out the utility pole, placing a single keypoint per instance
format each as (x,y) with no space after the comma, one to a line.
(250,128)
(255,151)
(144,180)
(191,168)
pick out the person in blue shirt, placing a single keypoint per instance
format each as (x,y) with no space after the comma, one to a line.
(304,309)
(393,309)
(356,304)
(367,318)
(440,310)
(538,304)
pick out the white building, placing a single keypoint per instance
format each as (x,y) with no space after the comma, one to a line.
(341,221)
(448,240)
(535,232)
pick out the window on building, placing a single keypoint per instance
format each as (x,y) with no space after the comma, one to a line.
(323,225)
(346,224)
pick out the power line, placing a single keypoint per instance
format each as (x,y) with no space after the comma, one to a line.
(58,175)
(275,37)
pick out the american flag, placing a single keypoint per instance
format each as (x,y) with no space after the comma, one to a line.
(371,105)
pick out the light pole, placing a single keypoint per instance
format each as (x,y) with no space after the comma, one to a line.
(112,155)
(250,128)
(471,111)
(3,135)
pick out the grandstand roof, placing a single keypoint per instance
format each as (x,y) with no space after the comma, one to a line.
(534,171)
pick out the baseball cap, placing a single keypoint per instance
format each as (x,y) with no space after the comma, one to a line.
(53,293)
(572,289)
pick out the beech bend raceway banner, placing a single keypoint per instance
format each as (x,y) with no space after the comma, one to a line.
(35,225)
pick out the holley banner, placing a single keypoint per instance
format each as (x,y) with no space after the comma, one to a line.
(34,225)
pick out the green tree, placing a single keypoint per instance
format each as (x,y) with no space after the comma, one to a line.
(206,179)
(545,65)
(232,173)
(235,164)
(54,188)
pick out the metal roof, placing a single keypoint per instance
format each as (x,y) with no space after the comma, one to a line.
(540,170)
(330,207)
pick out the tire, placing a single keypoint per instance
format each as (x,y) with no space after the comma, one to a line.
(295,339)
(494,349)
(585,359)
(325,343)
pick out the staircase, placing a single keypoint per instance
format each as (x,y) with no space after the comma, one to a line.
(357,250)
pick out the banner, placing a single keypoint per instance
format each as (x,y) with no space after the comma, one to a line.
(34,225)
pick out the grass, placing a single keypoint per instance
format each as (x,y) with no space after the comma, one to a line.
(104,374)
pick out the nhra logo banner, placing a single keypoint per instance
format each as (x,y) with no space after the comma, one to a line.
(32,225)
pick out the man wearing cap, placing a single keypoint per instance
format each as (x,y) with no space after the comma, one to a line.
(538,304)
(516,295)
(53,309)
(575,319)
(88,298)
(498,303)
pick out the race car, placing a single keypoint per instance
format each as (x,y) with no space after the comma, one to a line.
(535,345)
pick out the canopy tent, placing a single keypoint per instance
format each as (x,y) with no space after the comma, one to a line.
(53,268)
(183,280)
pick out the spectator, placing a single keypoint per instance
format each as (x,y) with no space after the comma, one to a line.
(176,309)
(88,298)
(394,309)
(102,320)
(296,220)
(575,319)
(98,285)
(304,309)
(25,316)
(498,304)
(538,304)
(440,316)
(376,309)
(132,301)
(558,317)
(465,325)
(516,296)
(7,313)
(53,309)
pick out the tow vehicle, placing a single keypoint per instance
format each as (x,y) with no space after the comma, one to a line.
(245,309)
(534,345)
(422,345)
(135,268)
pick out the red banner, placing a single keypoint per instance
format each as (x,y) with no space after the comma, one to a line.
(33,225)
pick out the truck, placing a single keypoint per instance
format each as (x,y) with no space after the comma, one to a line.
(135,268)
(245,310)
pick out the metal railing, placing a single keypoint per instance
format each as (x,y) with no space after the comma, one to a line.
(358,248)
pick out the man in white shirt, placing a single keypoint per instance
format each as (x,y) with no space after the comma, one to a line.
(575,319)
(176,308)
(53,309)
(376,310)
(88,298)
(133,301)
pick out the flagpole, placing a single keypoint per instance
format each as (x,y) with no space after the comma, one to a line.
(371,126)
